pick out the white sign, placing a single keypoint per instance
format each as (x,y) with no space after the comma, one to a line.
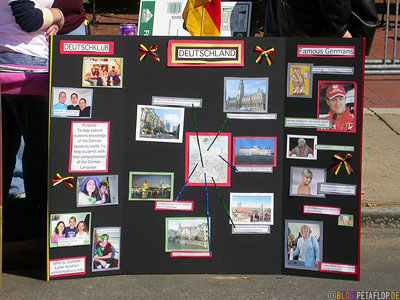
(255,169)
(337,268)
(67,267)
(89,147)
(321,210)
(190,254)
(251,229)
(337,189)
(272,116)
(164,18)
(176,205)
(307,123)
(334,148)
(177,101)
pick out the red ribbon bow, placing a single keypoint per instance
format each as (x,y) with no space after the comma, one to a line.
(264,53)
(69,181)
(146,51)
(342,161)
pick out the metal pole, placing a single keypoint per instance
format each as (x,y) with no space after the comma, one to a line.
(386,29)
(395,31)
(380,61)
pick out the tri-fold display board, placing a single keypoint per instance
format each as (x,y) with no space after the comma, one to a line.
(205,156)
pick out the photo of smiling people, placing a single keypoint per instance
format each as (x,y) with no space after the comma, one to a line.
(337,102)
(70,229)
(97,190)
(102,72)
(304,181)
(303,249)
(71,103)
(106,248)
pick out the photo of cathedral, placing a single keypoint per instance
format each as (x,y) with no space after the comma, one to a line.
(246,95)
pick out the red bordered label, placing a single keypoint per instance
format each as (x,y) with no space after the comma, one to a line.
(174,205)
(72,266)
(83,156)
(337,268)
(83,47)
(326,51)
(186,53)
(190,254)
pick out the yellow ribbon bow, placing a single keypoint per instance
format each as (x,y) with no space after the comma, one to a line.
(146,51)
(342,161)
(67,180)
(265,53)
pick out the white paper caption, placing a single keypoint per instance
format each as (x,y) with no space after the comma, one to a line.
(307,123)
(190,254)
(310,51)
(193,53)
(251,229)
(334,147)
(321,210)
(68,266)
(85,47)
(337,189)
(65,242)
(168,205)
(176,101)
(272,116)
(66,113)
(328,267)
(333,70)
(89,146)
(254,169)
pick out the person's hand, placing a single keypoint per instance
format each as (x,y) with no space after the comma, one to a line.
(347,35)
(103,264)
(52,30)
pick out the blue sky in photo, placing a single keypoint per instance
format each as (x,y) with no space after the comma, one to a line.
(261,143)
(172,116)
(250,86)
(251,200)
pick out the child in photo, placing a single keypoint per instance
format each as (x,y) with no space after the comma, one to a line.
(304,187)
(70,231)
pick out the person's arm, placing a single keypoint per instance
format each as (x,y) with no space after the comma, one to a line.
(316,250)
(31,19)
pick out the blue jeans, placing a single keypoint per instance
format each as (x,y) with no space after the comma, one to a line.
(27,116)
(81,30)
(13,58)
(17,182)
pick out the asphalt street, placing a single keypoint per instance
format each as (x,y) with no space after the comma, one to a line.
(379,272)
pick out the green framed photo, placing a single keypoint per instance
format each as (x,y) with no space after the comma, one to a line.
(70,229)
(346,220)
(104,72)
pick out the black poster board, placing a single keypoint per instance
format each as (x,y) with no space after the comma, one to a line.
(138,230)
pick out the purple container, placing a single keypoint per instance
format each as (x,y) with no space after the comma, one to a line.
(127,29)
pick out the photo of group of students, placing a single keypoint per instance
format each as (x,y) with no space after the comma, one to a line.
(102,72)
(71,103)
(70,230)
(97,190)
